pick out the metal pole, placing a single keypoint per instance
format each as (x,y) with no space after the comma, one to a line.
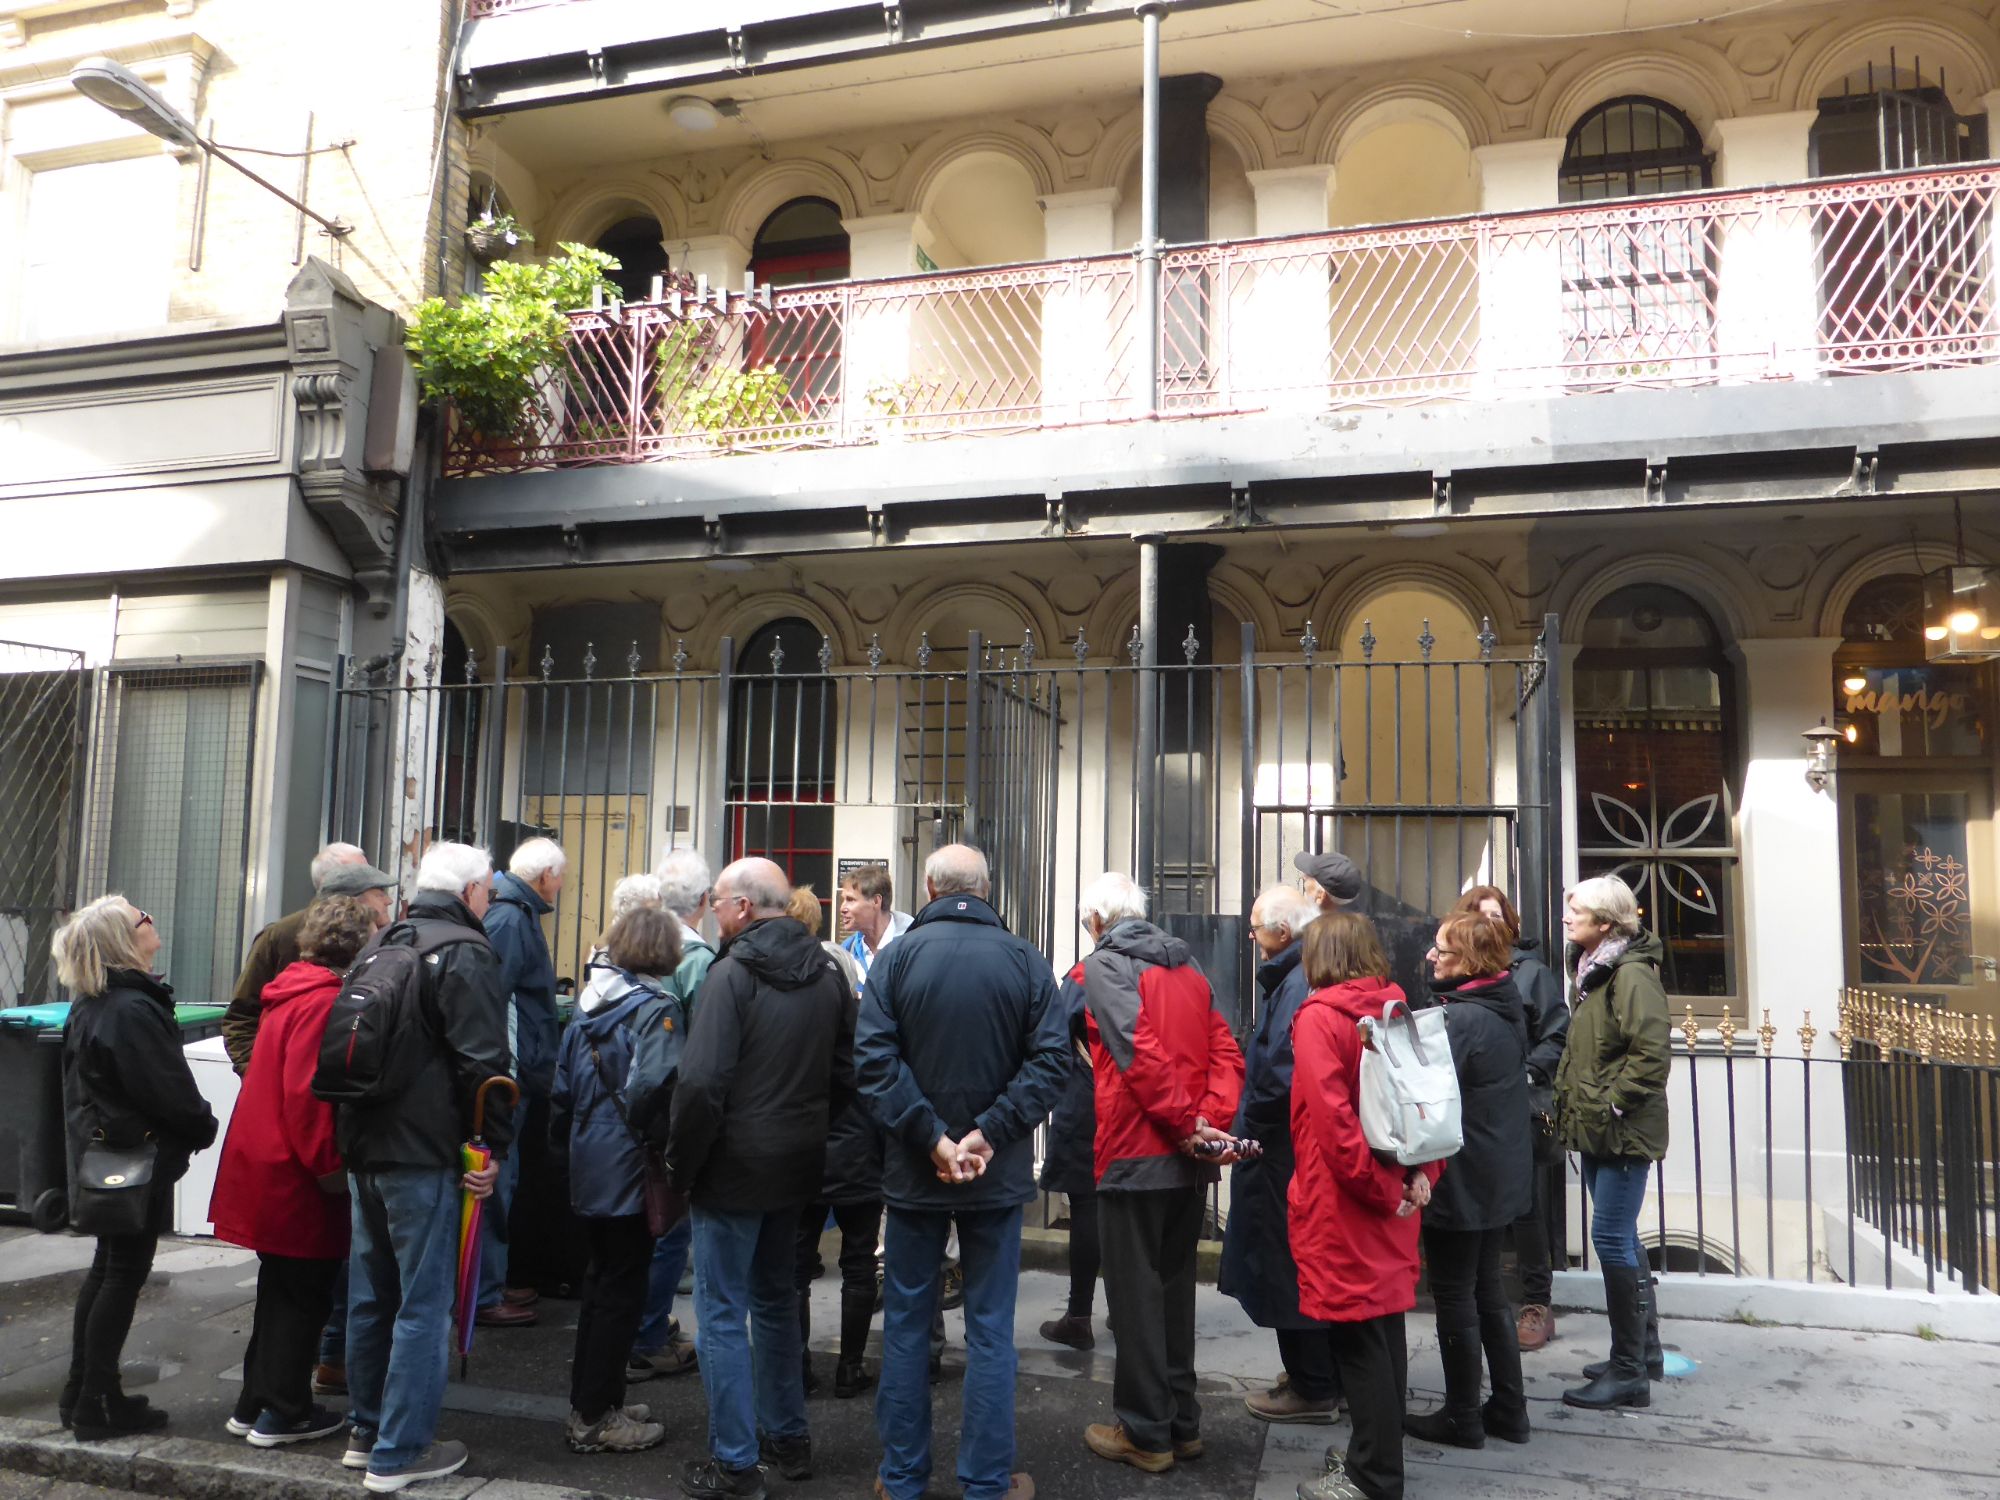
(974,727)
(1148,248)
(1146,716)
(1246,809)
(491,793)
(718,850)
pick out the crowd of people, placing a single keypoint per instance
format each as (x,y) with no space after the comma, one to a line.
(727,1100)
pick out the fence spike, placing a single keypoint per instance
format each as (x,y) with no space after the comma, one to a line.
(1027,649)
(1807,1033)
(632,661)
(1081,647)
(589,660)
(471,663)
(874,652)
(1992,1045)
(1191,647)
(825,654)
(1133,647)
(1926,1033)
(680,653)
(1726,1029)
(1309,644)
(924,652)
(1843,1036)
(1367,640)
(1690,1028)
(1767,1034)
(1427,642)
(548,661)
(432,659)
(777,648)
(1487,639)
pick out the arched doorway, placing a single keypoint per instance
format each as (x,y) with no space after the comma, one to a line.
(784,736)
(1655,771)
(802,244)
(636,244)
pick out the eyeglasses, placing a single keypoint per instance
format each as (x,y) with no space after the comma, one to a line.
(145,920)
(1437,952)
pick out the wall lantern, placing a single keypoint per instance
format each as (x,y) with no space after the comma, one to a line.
(1821,743)
(1961,606)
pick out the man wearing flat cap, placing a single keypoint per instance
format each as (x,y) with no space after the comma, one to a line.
(337,870)
(1333,881)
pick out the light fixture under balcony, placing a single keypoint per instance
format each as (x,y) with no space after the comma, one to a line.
(1961,607)
(694,114)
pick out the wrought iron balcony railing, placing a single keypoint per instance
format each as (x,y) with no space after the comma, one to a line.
(1872,274)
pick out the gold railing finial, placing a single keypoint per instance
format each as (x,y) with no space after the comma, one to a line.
(1726,1029)
(1807,1033)
(1690,1028)
(1767,1034)
(1926,1033)
(1992,1045)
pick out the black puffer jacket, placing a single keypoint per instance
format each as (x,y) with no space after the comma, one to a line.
(125,1077)
(1490,1183)
(769,1061)
(466,1011)
(1070,1165)
(1547,1012)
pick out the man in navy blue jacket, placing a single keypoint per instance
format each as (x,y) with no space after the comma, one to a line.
(961,1047)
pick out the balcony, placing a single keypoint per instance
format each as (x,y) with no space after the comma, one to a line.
(1841,277)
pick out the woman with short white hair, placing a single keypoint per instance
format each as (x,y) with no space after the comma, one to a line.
(1611,1102)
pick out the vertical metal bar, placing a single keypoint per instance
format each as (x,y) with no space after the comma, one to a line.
(1770,1192)
(1735,1202)
(1694,1109)
(1928,1161)
(718,830)
(973,727)
(1146,707)
(1246,802)
(652,770)
(1147,343)
(1805,1065)
(496,752)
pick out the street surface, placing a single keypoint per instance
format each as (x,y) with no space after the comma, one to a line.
(1768,1413)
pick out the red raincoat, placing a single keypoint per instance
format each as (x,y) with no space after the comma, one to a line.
(267,1192)
(1357,1260)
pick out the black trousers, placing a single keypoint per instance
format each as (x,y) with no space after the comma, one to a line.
(1307,1354)
(1465,1279)
(104,1308)
(1374,1371)
(613,1302)
(294,1297)
(1149,1243)
(860,1226)
(1538,1237)
(546,1242)
(1086,1253)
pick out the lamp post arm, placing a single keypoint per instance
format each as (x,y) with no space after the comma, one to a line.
(334,227)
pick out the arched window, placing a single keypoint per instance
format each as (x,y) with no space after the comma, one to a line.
(1632,147)
(783,745)
(1653,770)
(1888,700)
(635,242)
(1892,118)
(802,244)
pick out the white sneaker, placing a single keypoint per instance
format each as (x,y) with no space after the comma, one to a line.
(434,1462)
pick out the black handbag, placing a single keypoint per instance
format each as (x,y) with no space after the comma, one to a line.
(1542,1126)
(114,1188)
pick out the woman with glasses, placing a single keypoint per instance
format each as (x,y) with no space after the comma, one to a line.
(125,1082)
(1487,1186)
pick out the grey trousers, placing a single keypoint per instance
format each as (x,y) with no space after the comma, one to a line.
(1149,1243)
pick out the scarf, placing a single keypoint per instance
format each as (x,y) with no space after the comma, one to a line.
(1603,956)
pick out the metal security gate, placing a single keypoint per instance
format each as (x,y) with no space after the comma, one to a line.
(44,713)
(1432,774)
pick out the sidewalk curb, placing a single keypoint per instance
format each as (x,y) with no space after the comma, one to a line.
(1859,1309)
(189,1469)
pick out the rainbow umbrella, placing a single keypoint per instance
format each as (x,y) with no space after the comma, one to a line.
(474,1156)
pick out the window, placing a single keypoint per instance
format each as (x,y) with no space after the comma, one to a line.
(784,731)
(636,244)
(1654,805)
(1888,700)
(1632,147)
(85,269)
(802,244)
(583,738)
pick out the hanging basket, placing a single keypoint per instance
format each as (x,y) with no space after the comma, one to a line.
(489,245)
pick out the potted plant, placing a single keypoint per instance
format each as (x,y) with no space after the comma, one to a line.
(492,237)
(498,357)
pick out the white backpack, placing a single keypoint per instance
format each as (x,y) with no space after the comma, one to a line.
(1409,1087)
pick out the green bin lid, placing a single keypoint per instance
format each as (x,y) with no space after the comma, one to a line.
(36,1017)
(199,1015)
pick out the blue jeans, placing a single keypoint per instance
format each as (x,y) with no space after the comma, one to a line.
(743,1276)
(989,1246)
(400,1278)
(333,1337)
(493,1232)
(670,1258)
(1617,1186)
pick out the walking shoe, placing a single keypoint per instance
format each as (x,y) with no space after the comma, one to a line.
(791,1457)
(273,1431)
(678,1358)
(1111,1440)
(710,1480)
(850,1379)
(617,1431)
(329,1380)
(1332,1485)
(507,1315)
(1070,1330)
(520,1296)
(360,1445)
(1283,1404)
(1535,1328)
(1020,1487)
(436,1461)
(954,1287)
(237,1427)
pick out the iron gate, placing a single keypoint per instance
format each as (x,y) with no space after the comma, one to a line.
(44,711)
(1431,773)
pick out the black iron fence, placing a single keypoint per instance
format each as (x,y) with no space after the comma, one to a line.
(44,714)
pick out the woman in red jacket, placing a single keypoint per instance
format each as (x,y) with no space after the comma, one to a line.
(280,1189)
(1353,1217)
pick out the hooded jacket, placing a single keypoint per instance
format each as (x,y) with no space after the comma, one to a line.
(1070,1163)
(1611,1089)
(1357,1259)
(961,1029)
(1490,1182)
(770,1060)
(274,950)
(1547,1012)
(1257,1267)
(1162,1057)
(465,1017)
(281,1144)
(594,1132)
(125,1077)
(527,977)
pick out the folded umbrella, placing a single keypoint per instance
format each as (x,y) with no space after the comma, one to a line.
(474,1156)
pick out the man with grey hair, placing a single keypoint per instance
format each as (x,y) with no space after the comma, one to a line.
(523,1210)
(763,1069)
(961,1047)
(1257,1268)
(337,870)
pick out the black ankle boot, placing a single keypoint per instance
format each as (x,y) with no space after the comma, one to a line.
(1623,1382)
(1656,1357)
(857,1312)
(96,1418)
(1456,1423)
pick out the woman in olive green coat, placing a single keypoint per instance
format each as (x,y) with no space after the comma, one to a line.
(1611,1101)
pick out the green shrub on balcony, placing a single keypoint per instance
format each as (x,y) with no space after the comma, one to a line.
(493,356)
(699,394)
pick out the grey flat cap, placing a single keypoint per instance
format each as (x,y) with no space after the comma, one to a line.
(352,880)
(1338,876)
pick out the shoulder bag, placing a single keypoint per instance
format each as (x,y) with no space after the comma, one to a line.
(114,1188)
(664,1202)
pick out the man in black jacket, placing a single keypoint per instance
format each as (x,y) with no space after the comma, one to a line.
(772,1057)
(961,1048)
(403,1159)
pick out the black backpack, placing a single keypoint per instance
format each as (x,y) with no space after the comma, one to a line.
(379,1029)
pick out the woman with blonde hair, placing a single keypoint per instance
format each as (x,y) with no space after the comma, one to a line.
(126,1087)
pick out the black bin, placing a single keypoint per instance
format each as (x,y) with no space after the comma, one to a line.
(34,1165)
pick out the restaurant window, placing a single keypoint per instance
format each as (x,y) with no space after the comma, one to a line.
(1890,702)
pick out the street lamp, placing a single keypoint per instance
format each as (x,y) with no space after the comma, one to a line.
(126,94)
(1821,742)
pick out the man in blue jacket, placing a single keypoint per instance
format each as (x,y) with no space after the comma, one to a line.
(961,1047)
(521,898)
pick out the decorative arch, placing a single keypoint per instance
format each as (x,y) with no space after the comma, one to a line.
(936,160)
(1236,124)
(1947,38)
(1245,597)
(760,189)
(480,622)
(741,618)
(524,197)
(1341,602)
(1696,80)
(1717,587)
(1895,557)
(1449,101)
(915,610)
(589,209)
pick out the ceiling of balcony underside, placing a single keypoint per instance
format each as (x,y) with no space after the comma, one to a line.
(1047,66)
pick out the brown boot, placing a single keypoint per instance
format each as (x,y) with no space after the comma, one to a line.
(1535,1328)
(1283,1404)
(1112,1441)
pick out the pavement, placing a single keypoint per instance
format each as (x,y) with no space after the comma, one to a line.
(1766,1413)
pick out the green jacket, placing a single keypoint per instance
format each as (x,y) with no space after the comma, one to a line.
(696,956)
(1611,1088)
